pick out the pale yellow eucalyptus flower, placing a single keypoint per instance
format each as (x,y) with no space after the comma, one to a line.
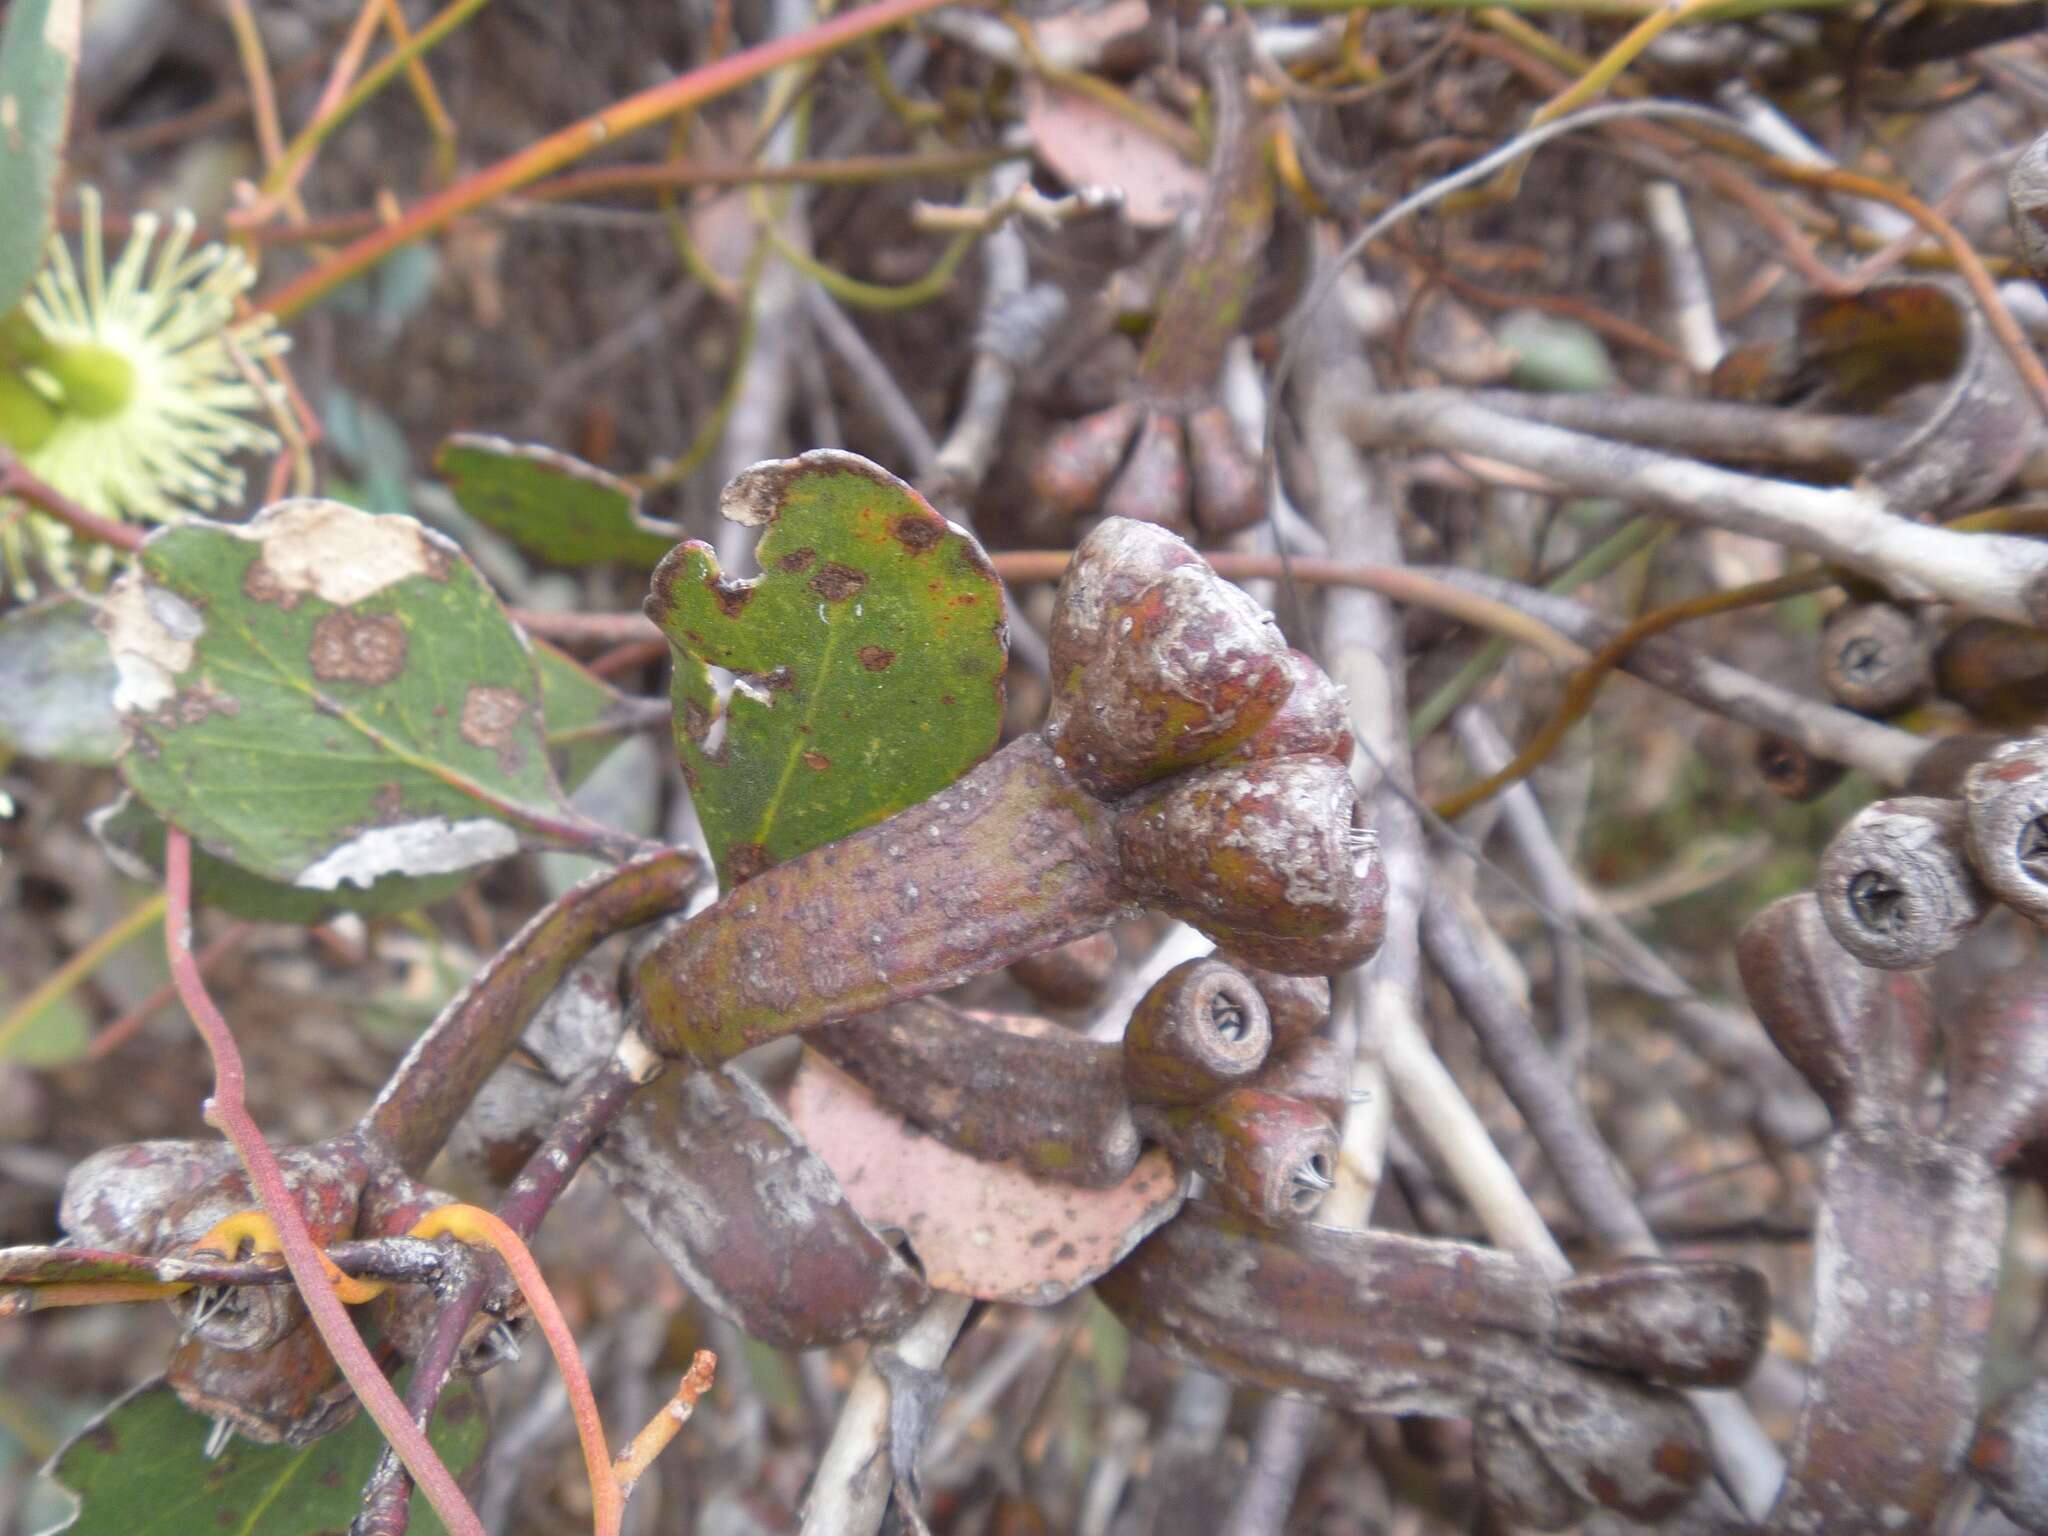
(121,390)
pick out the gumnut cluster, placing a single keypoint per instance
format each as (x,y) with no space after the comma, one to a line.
(1190,763)
(1222,1066)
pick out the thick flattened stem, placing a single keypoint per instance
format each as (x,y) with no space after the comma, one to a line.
(752,1218)
(1895,885)
(1694,1323)
(1998,1068)
(1863,1038)
(1022,1090)
(1013,858)
(434,1085)
(2026,190)
(1376,1321)
(1906,1269)
(1069,976)
(1379,1323)
(1513,1476)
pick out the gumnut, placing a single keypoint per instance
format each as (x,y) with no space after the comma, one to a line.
(2006,825)
(1897,887)
(1874,658)
(1202,1028)
(1178,713)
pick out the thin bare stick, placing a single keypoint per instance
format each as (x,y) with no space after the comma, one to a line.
(1576,1154)
(1550,873)
(662,1428)
(1885,752)
(851,1488)
(1995,574)
(227,1111)
(876,382)
(1786,1108)
(1690,292)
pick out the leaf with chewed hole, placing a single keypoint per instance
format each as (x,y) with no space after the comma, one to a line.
(867,659)
(551,504)
(141,1469)
(325,696)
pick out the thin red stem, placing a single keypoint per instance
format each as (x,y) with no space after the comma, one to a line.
(228,1112)
(18,481)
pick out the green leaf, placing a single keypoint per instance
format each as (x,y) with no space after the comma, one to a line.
(57,685)
(552,505)
(132,835)
(141,1470)
(869,659)
(38,58)
(325,696)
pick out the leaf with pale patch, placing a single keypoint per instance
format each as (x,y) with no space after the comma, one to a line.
(325,696)
(141,1469)
(132,837)
(551,504)
(868,659)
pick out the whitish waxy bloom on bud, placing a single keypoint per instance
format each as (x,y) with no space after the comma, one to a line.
(120,386)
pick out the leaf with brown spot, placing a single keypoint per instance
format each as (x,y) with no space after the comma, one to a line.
(980,1229)
(869,657)
(281,733)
